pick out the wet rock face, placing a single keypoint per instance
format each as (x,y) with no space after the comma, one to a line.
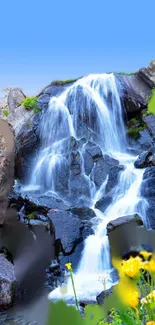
(146,159)
(67,229)
(148,192)
(7,282)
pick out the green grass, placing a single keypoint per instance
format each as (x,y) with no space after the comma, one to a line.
(151,103)
(30,103)
(6,112)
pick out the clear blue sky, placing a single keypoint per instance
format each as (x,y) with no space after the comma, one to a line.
(45,40)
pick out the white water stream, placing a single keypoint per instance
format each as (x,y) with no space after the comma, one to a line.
(96,100)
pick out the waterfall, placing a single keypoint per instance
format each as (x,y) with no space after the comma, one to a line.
(93,102)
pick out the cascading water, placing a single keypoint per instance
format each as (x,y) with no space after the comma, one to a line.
(94,103)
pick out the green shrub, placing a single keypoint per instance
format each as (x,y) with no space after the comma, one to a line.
(134,132)
(31,215)
(63,82)
(6,112)
(31,103)
(151,103)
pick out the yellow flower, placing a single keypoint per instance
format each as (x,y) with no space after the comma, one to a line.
(128,292)
(152,322)
(132,266)
(132,298)
(69,266)
(145,254)
(151,266)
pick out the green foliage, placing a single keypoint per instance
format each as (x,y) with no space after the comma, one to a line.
(134,132)
(31,103)
(134,121)
(63,82)
(31,215)
(151,103)
(124,73)
(6,112)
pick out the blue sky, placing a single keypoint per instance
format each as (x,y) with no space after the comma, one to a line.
(45,40)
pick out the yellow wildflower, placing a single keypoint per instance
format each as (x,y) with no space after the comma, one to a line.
(132,266)
(132,298)
(145,254)
(151,266)
(69,266)
(128,292)
(152,322)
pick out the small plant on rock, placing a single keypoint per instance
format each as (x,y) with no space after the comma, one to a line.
(30,103)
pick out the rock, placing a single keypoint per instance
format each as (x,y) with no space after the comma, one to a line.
(101,297)
(148,74)
(134,92)
(123,220)
(7,283)
(148,192)
(145,140)
(150,123)
(67,229)
(145,159)
(6,165)
(104,202)
(83,213)
(113,177)
(101,169)
(27,143)
(15,96)
(8,320)
(43,101)
(19,118)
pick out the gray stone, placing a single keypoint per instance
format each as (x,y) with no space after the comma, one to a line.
(113,178)
(123,220)
(150,122)
(145,159)
(7,282)
(67,229)
(148,74)
(104,202)
(145,140)
(101,169)
(101,297)
(15,97)
(43,101)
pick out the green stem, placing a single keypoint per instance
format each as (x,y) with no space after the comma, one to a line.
(76,301)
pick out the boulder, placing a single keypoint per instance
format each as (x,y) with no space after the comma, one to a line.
(148,192)
(113,178)
(101,297)
(15,97)
(7,282)
(104,202)
(148,74)
(27,143)
(150,123)
(67,229)
(134,93)
(123,220)
(145,140)
(102,168)
(145,159)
